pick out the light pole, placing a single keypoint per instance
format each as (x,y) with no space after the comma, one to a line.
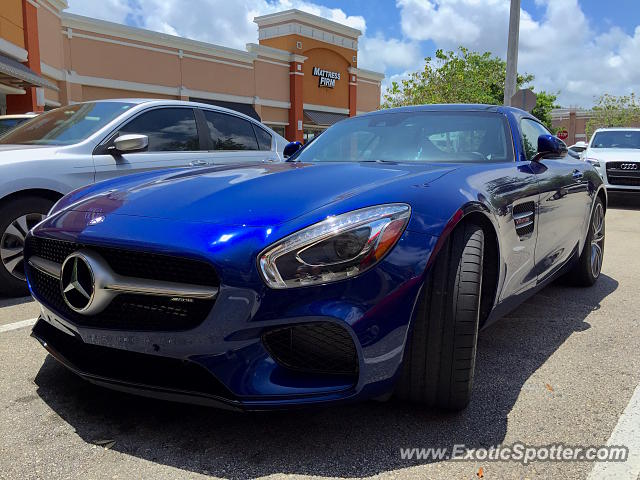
(512,52)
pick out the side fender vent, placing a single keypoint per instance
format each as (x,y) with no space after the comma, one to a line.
(524,218)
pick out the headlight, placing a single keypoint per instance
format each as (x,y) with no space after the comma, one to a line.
(593,161)
(337,248)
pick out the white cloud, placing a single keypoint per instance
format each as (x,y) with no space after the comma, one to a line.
(562,50)
(230,23)
(110,10)
(379,53)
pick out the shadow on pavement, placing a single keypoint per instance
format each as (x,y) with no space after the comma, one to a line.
(624,201)
(355,440)
(10,302)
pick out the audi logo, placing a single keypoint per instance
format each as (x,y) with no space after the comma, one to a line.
(628,166)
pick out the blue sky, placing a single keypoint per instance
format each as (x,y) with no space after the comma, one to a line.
(579,49)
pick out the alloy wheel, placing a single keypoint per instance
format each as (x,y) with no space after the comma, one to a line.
(12,243)
(597,240)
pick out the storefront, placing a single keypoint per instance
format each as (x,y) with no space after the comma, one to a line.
(21,85)
(301,76)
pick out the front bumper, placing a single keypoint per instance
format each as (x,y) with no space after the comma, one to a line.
(620,180)
(226,349)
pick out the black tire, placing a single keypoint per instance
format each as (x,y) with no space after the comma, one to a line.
(34,208)
(585,273)
(439,361)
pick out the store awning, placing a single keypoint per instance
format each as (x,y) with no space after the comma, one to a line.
(15,74)
(238,107)
(324,119)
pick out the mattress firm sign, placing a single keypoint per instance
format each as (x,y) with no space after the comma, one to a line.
(326,78)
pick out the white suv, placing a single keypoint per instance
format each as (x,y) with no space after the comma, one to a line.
(56,152)
(615,152)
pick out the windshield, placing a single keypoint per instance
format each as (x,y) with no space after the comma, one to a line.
(616,139)
(66,125)
(414,137)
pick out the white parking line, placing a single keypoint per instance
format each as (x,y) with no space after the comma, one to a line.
(16,325)
(626,433)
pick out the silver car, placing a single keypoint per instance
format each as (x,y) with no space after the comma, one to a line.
(66,148)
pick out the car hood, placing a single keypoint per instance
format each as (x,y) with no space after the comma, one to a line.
(251,195)
(17,153)
(614,154)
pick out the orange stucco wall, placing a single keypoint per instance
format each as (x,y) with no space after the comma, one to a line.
(329,60)
(11,23)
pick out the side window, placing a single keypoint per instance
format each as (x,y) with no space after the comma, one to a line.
(168,129)
(531,130)
(229,132)
(264,138)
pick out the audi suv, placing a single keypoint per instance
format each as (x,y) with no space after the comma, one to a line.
(615,153)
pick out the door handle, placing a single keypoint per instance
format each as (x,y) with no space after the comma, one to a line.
(269,160)
(577,174)
(198,163)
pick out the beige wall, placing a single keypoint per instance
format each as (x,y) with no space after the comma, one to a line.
(217,77)
(271,81)
(368,96)
(50,38)
(112,61)
(273,114)
(99,93)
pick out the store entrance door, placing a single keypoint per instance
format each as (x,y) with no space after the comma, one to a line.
(310,132)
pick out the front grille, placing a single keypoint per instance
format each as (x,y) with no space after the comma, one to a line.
(617,175)
(127,311)
(318,347)
(131,367)
(130,263)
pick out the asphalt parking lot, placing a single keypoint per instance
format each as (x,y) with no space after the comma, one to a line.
(562,368)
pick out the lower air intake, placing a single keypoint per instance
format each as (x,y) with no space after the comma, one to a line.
(318,347)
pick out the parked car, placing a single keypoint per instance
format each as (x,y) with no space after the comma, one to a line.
(577,149)
(72,146)
(362,267)
(615,153)
(7,122)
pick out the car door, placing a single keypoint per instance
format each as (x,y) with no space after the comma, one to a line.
(564,202)
(174,141)
(235,140)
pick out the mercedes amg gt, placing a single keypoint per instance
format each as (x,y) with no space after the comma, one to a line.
(363,267)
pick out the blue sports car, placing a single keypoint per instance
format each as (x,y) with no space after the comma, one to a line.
(363,267)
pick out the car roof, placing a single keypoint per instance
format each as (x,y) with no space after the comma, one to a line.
(451,107)
(155,102)
(617,129)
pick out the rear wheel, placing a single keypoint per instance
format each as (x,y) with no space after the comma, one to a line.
(439,361)
(589,266)
(16,219)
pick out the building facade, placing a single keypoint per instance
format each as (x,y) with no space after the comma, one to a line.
(301,76)
(573,121)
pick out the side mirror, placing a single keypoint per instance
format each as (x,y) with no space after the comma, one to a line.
(291,148)
(131,143)
(550,147)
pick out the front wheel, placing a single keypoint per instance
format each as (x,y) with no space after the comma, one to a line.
(440,355)
(589,266)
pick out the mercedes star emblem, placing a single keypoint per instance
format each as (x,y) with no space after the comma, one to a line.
(77,282)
